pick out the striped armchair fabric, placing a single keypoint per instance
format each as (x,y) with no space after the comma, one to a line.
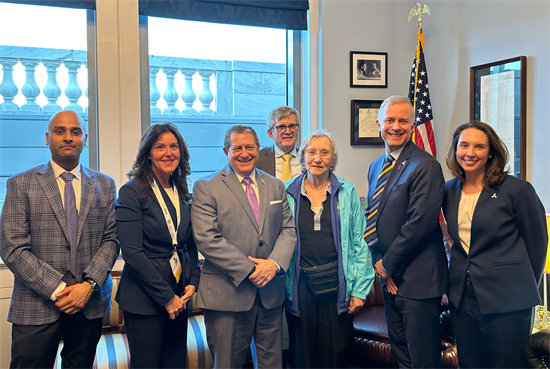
(112,350)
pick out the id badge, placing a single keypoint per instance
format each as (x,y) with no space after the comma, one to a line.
(175,264)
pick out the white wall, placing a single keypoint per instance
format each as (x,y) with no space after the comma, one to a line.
(459,34)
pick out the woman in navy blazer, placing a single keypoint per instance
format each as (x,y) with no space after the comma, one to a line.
(498,227)
(161,270)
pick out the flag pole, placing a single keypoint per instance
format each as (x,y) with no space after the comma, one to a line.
(419,11)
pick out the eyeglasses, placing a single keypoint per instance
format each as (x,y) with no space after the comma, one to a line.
(323,153)
(282,129)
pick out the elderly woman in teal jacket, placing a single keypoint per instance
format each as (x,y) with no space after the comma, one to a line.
(331,272)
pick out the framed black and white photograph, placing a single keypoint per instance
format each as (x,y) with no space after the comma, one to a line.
(368,69)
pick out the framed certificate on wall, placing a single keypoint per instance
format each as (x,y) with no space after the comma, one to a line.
(497,97)
(364,131)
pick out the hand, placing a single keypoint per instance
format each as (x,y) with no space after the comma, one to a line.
(264,273)
(174,307)
(73,298)
(188,295)
(355,304)
(383,274)
(380,270)
(391,286)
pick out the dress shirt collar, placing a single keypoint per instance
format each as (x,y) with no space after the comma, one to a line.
(279,152)
(57,170)
(396,153)
(251,175)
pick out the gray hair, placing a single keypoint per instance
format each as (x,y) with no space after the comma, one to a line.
(239,128)
(393,100)
(307,141)
(279,113)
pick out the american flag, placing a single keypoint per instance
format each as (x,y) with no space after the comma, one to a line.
(424,132)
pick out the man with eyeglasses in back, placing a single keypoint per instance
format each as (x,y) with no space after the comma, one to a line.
(281,159)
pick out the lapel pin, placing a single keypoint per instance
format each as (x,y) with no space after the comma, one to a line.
(494,196)
(403,163)
(261,180)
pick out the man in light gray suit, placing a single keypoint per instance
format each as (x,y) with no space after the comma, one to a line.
(58,237)
(244,228)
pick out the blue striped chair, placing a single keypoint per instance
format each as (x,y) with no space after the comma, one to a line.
(112,350)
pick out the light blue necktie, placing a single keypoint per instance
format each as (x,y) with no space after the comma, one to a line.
(72,216)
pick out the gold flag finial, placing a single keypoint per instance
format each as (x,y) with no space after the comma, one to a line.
(419,11)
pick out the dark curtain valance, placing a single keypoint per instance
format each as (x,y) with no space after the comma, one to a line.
(290,14)
(78,4)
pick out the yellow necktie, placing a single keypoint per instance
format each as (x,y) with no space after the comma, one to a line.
(287,171)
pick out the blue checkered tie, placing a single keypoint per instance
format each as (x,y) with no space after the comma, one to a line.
(370,236)
(72,216)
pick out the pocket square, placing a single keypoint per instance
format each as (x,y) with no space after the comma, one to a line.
(275,202)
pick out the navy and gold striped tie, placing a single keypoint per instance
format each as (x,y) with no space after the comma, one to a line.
(370,235)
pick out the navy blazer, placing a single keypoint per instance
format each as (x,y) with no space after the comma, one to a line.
(410,242)
(507,248)
(147,283)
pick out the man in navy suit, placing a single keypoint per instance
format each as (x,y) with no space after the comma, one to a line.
(405,238)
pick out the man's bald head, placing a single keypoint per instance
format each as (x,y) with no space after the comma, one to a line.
(66,138)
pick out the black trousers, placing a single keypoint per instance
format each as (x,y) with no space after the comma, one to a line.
(489,340)
(319,338)
(156,341)
(414,330)
(35,346)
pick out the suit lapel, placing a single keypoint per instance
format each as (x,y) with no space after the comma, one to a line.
(453,200)
(270,160)
(231,181)
(398,168)
(48,182)
(482,203)
(86,199)
(262,188)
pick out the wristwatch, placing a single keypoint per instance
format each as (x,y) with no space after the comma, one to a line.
(95,286)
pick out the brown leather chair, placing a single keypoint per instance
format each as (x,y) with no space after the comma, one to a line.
(537,350)
(372,346)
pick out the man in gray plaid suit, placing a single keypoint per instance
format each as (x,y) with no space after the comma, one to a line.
(58,237)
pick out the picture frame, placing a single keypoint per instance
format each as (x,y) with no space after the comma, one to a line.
(368,69)
(498,98)
(363,130)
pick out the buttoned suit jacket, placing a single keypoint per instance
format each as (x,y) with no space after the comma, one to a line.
(145,285)
(508,246)
(410,241)
(266,160)
(226,233)
(34,242)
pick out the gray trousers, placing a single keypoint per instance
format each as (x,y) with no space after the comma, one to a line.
(230,334)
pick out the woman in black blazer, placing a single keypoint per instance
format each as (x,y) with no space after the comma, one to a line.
(161,270)
(498,227)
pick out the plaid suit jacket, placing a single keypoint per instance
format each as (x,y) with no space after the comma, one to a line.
(34,242)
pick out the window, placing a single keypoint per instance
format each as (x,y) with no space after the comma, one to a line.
(206,77)
(43,71)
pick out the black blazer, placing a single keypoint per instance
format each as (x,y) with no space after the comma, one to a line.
(410,242)
(266,160)
(147,282)
(507,248)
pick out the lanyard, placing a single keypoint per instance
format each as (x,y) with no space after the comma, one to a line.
(169,223)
